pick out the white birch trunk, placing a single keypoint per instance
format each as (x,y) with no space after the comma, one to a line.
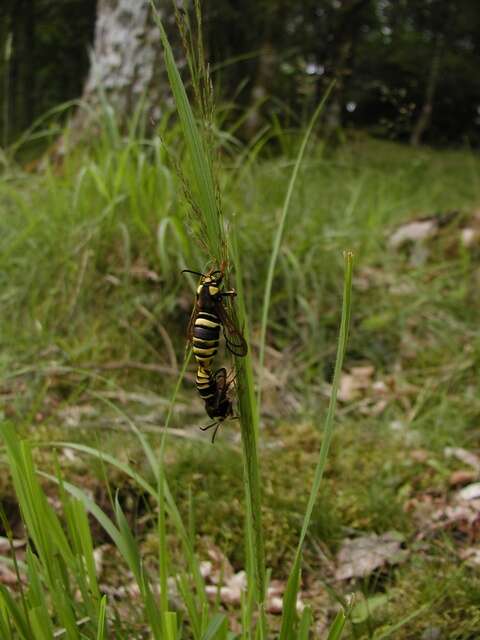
(126,62)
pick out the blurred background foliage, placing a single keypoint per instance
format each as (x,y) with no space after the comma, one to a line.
(404,69)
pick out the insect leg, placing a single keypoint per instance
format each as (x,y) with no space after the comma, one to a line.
(215,432)
(209,426)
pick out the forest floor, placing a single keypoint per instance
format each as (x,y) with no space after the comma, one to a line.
(93,321)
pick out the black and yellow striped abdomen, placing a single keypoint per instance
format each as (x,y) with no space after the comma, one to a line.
(206,385)
(206,334)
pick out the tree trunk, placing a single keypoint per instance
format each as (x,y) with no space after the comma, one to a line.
(347,36)
(425,116)
(261,89)
(126,63)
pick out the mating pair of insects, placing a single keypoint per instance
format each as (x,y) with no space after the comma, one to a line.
(210,313)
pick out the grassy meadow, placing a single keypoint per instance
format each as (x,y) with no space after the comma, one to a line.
(94,315)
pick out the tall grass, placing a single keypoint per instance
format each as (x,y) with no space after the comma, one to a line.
(63,597)
(70,243)
(68,235)
(209,208)
(210,212)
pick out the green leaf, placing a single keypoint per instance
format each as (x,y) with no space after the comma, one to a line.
(289,616)
(336,630)
(22,625)
(217,629)
(200,157)
(279,232)
(364,608)
(102,619)
(289,612)
(305,624)
(170,624)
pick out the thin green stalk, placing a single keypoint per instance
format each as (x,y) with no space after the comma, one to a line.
(210,212)
(290,598)
(163,556)
(328,428)
(249,426)
(279,234)
(102,619)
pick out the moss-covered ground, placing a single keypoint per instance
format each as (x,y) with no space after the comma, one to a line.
(94,312)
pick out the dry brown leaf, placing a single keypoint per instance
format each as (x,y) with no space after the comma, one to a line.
(470,492)
(99,554)
(353,384)
(7,576)
(274,605)
(140,271)
(462,477)
(415,231)
(221,569)
(16,543)
(274,600)
(471,555)
(420,455)
(73,415)
(469,237)
(359,557)
(465,456)
(231,590)
(206,568)
(375,409)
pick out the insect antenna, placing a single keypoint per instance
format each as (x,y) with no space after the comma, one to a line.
(196,273)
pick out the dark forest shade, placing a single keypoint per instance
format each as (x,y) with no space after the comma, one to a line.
(49,58)
(405,70)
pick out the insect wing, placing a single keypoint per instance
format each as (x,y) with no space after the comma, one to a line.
(191,323)
(221,381)
(234,340)
(221,387)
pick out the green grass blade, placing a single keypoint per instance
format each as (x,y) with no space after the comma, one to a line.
(262,629)
(289,611)
(200,158)
(156,464)
(279,233)
(80,521)
(390,633)
(305,624)
(102,619)
(41,521)
(173,511)
(106,457)
(170,625)
(336,630)
(328,428)
(217,629)
(5,629)
(249,426)
(21,625)
(36,596)
(37,622)
(185,589)
(149,453)
(95,510)
(132,555)
(163,559)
